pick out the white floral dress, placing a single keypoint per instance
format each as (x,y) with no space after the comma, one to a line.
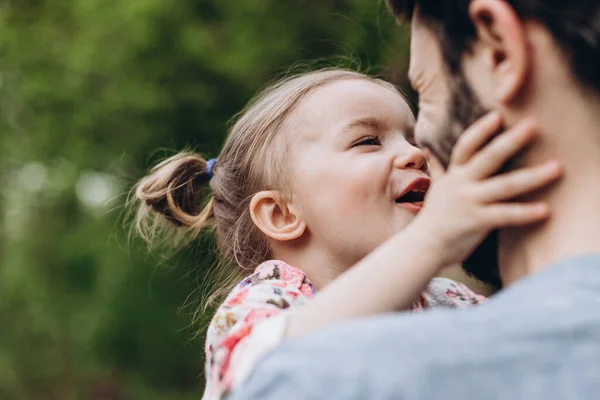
(252,319)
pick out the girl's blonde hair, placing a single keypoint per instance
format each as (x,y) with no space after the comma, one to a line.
(180,192)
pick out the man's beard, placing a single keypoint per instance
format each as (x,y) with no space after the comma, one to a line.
(463,110)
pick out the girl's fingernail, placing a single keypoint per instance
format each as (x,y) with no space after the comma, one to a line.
(553,167)
(541,209)
(494,115)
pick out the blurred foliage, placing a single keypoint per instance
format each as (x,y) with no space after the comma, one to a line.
(90,92)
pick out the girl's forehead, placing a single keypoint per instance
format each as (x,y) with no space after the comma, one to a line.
(336,104)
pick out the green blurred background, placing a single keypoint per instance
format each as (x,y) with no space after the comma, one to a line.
(91,94)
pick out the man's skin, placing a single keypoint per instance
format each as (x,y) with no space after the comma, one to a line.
(517,69)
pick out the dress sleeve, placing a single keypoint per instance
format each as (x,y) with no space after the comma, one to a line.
(250,322)
(443,292)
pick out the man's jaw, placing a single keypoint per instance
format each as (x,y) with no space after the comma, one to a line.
(441,148)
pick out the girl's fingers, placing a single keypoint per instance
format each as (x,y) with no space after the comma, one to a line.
(516,183)
(435,167)
(515,214)
(475,137)
(501,149)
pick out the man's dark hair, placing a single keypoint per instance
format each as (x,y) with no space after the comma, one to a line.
(575,25)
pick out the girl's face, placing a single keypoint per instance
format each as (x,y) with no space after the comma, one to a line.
(357,179)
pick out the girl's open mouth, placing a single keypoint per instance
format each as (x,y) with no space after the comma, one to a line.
(414,194)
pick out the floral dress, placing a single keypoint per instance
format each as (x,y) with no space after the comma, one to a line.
(252,319)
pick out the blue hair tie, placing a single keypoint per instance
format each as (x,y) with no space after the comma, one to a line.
(210,164)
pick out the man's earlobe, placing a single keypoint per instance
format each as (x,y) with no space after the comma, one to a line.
(501,34)
(275,217)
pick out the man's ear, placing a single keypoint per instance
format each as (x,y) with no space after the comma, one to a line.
(501,35)
(275,217)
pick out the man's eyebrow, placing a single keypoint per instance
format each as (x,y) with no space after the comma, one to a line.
(414,78)
(409,135)
(411,81)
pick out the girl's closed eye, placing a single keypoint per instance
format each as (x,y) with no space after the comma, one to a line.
(368,141)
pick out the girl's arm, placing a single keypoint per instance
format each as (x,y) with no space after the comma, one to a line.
(460,210)
(388,279)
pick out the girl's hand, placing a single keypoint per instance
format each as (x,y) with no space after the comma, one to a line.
(469,200)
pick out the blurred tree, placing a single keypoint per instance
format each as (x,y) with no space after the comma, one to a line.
(89,91)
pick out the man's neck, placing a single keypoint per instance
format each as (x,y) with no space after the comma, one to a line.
(571,135)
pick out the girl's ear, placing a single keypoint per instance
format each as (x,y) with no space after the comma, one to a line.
(273,215)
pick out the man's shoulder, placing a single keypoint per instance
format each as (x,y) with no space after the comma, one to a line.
(541,333)
(426,341)
(438,334)
(441,353)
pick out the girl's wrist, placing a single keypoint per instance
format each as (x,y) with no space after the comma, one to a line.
(426,244)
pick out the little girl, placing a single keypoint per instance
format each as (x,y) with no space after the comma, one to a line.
(312,197)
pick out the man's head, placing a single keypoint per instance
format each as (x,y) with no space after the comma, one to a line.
(519,57)
(468,56)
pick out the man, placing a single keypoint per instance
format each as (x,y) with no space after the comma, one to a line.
(540,337)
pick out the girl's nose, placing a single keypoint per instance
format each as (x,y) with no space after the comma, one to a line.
(411,157)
